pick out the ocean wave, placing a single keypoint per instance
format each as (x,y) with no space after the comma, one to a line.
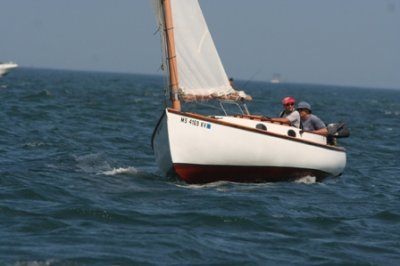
(218,184)
(37,263)
(128,170)
(42,94)
(93,163)
(395,113)
(34,144)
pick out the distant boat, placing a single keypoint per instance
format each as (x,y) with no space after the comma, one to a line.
(6,67)
(200,148)
(276,78)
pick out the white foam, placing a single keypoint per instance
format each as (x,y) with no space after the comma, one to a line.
(307,180)
(226,186)
(206,185)
(121,170)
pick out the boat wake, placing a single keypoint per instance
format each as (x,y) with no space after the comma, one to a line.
(218,184)
(99,164)
(226,186)
(128,170)
(307,180)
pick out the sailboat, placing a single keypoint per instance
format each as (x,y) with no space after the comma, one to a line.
(200,148)
(6,67)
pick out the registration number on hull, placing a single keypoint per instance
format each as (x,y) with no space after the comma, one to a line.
(195,122)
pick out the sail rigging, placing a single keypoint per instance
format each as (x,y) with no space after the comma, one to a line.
(198,70)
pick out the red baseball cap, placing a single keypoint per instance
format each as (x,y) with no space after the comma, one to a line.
(288,100)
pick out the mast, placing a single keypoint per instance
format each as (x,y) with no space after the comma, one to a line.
(171,55)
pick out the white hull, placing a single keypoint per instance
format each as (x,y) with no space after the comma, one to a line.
(6,67)
(201,149)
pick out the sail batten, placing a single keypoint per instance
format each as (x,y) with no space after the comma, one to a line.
(200,72)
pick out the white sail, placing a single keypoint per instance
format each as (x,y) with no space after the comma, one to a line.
(200,71)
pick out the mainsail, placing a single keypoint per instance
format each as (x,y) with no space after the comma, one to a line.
(201,74)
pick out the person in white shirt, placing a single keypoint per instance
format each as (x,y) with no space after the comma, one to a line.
(289,115)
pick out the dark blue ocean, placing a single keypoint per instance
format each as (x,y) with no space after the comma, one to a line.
(79,184)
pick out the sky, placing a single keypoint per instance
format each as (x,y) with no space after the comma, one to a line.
(331,42)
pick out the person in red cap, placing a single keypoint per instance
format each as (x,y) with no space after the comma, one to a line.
(289,115)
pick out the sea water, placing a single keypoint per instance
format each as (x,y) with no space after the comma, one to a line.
(79,184)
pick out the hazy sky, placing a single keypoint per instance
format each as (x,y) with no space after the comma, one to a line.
(337,42)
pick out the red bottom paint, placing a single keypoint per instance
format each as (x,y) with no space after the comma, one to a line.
(200,174)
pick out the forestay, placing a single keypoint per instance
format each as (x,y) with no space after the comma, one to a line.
(201,74)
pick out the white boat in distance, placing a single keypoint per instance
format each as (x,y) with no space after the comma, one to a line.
(276,78)
(6,67)
(201,148)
